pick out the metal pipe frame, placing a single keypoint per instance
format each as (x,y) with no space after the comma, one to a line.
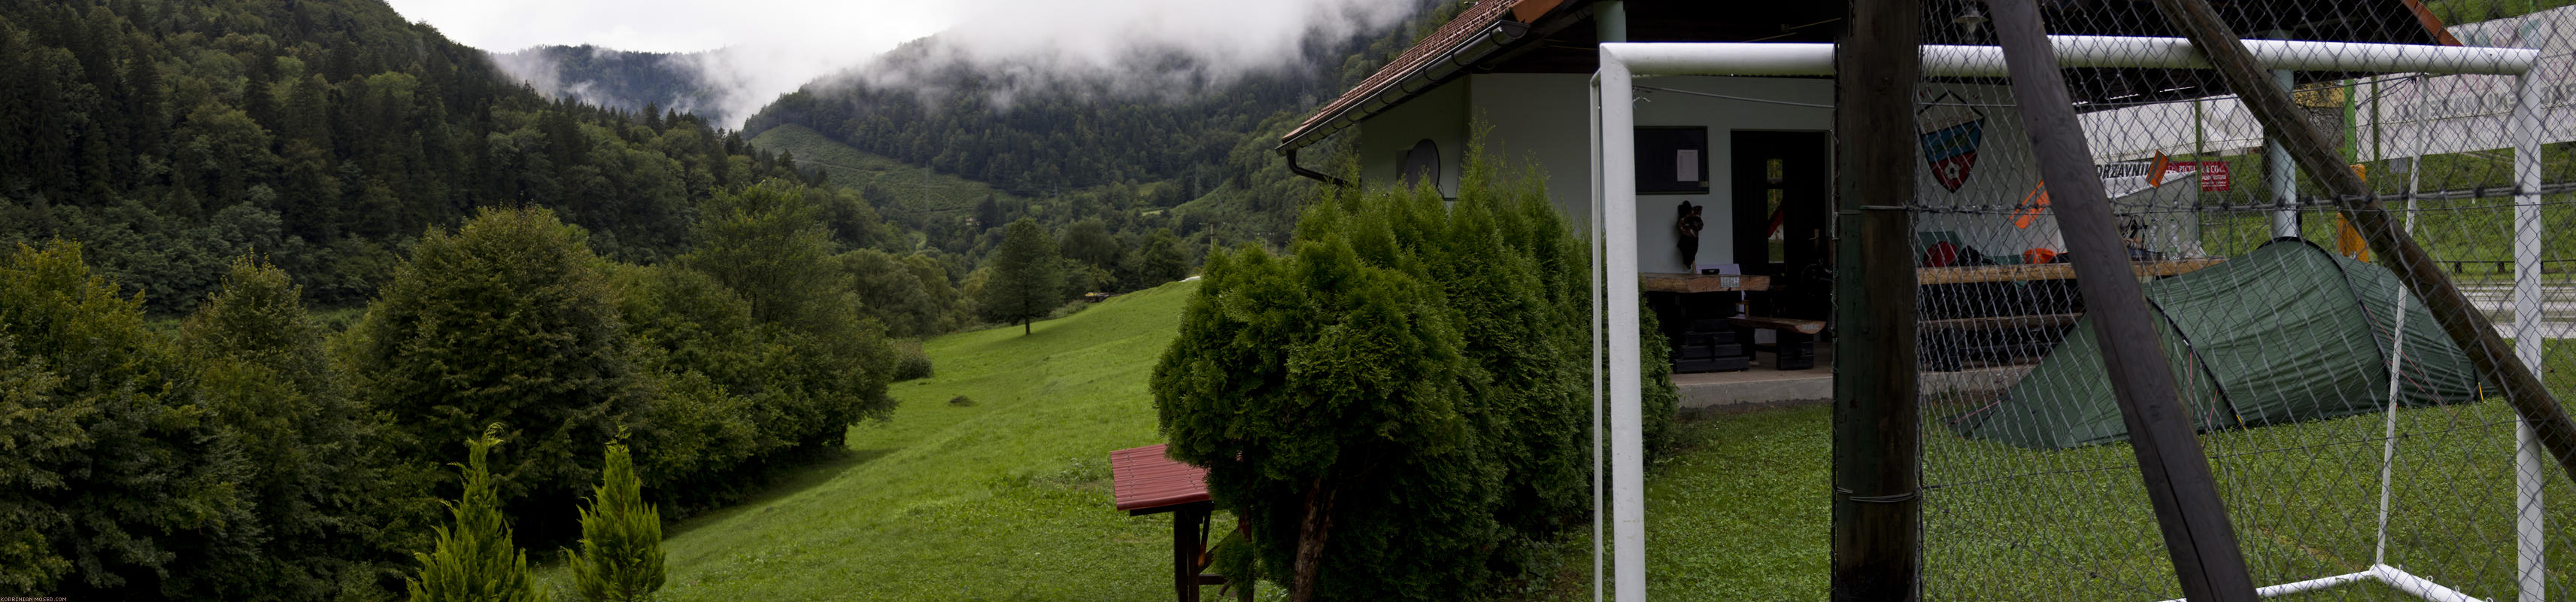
(1615,197)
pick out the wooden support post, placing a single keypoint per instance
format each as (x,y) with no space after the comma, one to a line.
(1185,549)
(2466,326)
(1877,508)
(2197,533)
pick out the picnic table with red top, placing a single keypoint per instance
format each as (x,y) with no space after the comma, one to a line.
(1144,481)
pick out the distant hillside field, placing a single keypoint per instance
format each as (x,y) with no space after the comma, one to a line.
(916,190)
(1004,499)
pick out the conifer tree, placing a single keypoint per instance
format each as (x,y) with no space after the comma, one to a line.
(621,537)
(1027,278)
(474,559)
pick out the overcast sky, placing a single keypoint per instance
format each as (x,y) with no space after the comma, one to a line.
(860,27)
(778,45)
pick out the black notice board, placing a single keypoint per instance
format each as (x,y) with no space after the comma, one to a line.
(1672,160)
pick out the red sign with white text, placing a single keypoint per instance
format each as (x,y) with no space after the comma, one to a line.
(2213,174)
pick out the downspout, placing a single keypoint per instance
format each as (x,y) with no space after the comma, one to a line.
(1293,167)
(1493,38)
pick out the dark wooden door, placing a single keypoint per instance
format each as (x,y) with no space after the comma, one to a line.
(1783,189)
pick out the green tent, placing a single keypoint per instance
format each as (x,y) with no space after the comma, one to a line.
(2286,333)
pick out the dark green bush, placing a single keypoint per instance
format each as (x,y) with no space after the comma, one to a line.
(1403,396)
(911,362)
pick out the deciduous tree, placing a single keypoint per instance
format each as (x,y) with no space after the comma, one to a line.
(508,320)
(1027,278)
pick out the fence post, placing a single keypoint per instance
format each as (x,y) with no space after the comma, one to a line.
(1878,517)
(2197,534)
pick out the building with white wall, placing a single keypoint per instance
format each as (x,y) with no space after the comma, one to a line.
(1755,151)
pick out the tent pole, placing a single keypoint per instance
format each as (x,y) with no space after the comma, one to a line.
(1877,514)
(2194,522)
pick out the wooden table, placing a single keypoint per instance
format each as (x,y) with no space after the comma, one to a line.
(2050,271)
(1700,283)
(1143,481)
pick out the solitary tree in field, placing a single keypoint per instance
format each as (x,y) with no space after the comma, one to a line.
(474,559)
(621,537)
(1027,277)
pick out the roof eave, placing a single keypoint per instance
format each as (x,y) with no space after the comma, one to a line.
(1421,69)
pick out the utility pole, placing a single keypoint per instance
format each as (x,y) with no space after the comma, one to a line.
(1877,504)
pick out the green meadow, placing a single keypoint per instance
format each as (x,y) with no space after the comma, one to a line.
(1002,497)
(1006,497)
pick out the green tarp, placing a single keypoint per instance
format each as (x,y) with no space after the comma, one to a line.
(2286,333)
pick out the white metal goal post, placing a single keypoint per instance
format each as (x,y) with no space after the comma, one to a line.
(1615,239)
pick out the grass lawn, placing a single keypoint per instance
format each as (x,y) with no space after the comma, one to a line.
(1738,512)
(1005,499)
(2009,523)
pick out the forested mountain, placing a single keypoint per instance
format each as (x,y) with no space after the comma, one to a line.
(1033,127)
(1161,142)
(171,136)
(619,80)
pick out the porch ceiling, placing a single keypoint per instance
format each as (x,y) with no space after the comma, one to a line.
(1559,37)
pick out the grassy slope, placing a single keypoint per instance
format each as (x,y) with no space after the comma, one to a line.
(1007,499)
(856,169)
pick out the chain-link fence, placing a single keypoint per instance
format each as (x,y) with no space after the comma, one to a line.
(2359,453)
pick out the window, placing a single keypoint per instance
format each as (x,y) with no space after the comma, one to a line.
(1672,160)
(1421,163)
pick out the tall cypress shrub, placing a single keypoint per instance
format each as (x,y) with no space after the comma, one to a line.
(474,559)
(621,537)
(1399,399)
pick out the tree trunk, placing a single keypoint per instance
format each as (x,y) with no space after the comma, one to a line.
(1024,327)
(1310,541)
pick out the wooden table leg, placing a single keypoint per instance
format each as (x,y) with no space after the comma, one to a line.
(1185,553)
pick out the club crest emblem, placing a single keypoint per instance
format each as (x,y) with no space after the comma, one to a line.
(1951,134)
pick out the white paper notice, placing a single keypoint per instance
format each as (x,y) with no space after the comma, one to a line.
(1686,165)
